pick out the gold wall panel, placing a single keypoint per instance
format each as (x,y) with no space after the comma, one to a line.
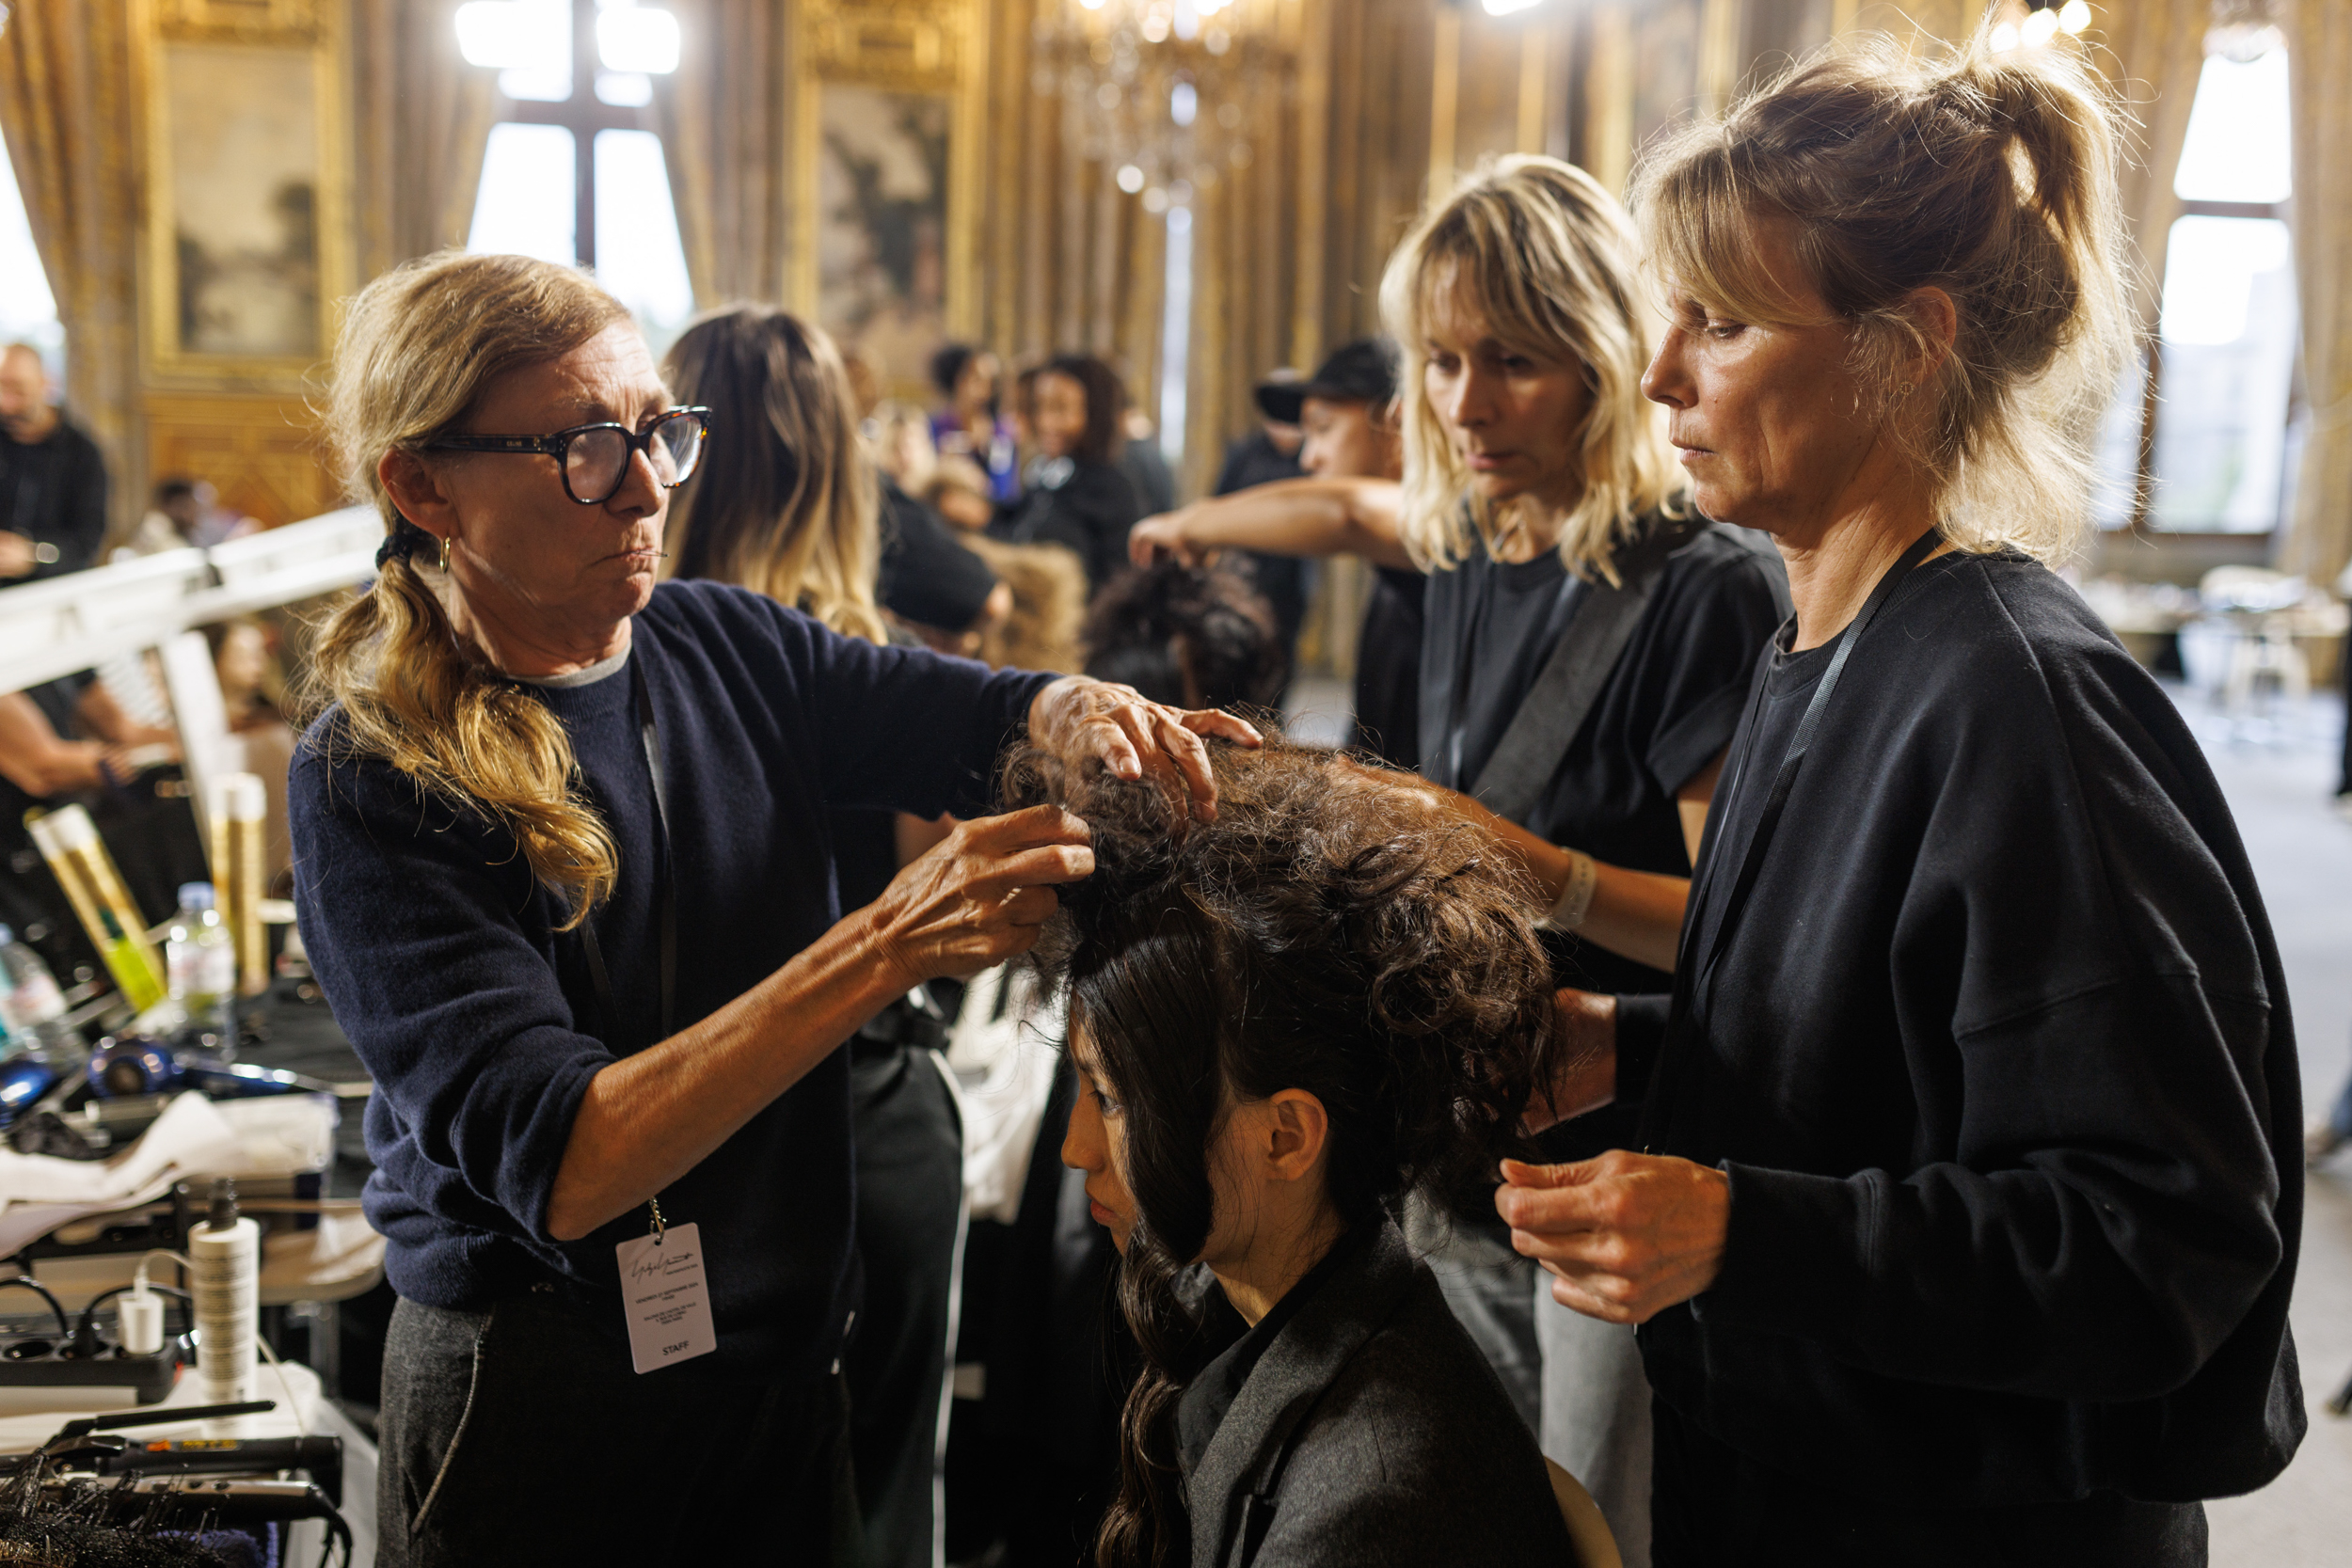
(240,20)
(264,453)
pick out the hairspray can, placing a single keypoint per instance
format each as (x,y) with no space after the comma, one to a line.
(69,841)
(238,811)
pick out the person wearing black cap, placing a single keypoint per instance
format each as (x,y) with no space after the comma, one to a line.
(1353,457)
(1267,455)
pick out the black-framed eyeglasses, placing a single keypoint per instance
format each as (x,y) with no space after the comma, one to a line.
(595,457)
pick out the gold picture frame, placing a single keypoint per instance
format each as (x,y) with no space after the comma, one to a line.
(246,183)
(890,77)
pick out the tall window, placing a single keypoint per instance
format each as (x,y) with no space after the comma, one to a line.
(576,144)
(28,312)
(2224,359)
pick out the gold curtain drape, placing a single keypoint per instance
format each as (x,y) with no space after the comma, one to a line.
(420,116)
(725,122)
(2319,58)
(2151,54)
(66,108)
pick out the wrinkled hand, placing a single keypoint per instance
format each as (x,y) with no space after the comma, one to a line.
(980,895)
(1135,737)
(1586,1079)
(1625,1236)
(16,555)
(1163,538)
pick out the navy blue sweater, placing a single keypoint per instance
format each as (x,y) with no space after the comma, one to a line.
(477,1019)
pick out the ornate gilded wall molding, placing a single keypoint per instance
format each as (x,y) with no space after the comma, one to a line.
(904,45)
(240,20)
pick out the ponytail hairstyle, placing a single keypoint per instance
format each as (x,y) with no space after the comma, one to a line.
(787,503)
(1990,176)
(1333,931)
(418,348)
(1547,259)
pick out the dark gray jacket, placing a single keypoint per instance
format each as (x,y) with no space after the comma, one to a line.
(1370,1430)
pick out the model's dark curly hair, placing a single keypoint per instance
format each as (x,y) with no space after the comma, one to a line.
(1335,930)
(1187,635)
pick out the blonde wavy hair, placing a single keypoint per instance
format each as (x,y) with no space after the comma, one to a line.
(1989,176)
(785,500)
(1542,257)
(418,348)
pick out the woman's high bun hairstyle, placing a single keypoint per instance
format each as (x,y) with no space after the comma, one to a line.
(1333,931)
(1989,175)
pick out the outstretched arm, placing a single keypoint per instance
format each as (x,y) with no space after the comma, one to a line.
(1292,517)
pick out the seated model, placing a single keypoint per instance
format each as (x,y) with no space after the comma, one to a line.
(1284,1022)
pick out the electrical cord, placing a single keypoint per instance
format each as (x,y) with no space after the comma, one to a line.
(87,1328)
(56,1309)
(285,1384)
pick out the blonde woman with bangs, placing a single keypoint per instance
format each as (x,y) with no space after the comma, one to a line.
(1966,1220)
(563,869)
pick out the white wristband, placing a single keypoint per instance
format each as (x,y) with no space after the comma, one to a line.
(1577,897)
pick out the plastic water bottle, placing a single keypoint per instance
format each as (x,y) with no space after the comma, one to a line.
(32,1009)
(200,958)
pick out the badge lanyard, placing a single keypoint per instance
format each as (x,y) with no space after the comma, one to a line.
(1768,820)
(649,736)
(665,1295)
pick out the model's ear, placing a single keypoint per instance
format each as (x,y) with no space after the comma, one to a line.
(1298,1128)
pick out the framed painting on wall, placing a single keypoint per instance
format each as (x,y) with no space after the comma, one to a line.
(246,221)
(885,160)
(882,220)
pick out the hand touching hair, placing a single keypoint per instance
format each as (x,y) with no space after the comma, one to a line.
(1331,932)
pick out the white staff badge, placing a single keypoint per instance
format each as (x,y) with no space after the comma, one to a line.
(666,1298)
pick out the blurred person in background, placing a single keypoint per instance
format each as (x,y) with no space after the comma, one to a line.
(1198,637)
(791,504)
(1141,460)
(1078,497)
(969,422)
(1268,454)
(1354,456)
(187,512)
(52,482)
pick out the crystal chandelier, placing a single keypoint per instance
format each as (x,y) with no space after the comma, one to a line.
(1165,93)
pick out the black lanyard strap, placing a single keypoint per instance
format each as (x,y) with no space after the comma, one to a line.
(649,736)
(1690,977)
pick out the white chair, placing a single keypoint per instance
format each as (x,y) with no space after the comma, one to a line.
(1588,1531)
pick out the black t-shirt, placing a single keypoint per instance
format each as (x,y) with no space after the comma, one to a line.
(1999,1060)
(1387,667)
(1668,706)
(1251,461)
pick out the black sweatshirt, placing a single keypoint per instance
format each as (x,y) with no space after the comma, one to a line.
(1085,506)
(54,492)
(1999,1059)
(479,1022)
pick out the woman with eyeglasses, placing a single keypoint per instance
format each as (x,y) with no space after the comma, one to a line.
(563,870)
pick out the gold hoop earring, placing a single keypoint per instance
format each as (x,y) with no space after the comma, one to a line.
(445,554)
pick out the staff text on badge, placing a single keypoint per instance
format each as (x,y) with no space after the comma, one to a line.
(666,1298)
